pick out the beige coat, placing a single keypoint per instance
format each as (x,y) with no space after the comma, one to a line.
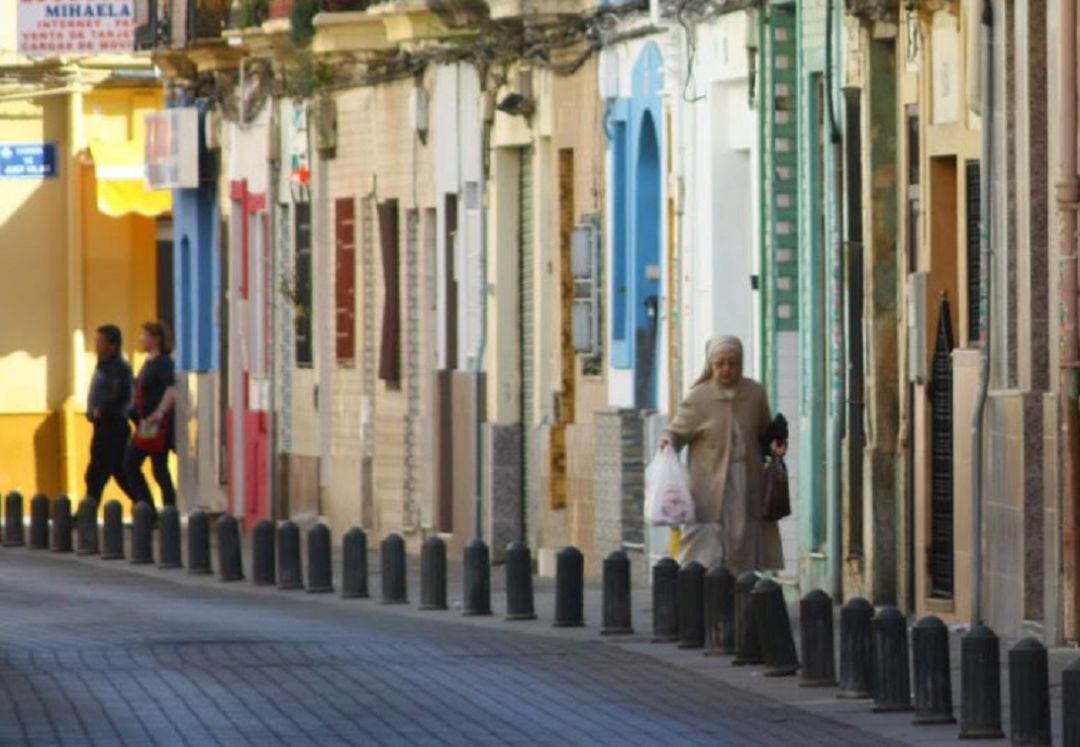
(704,422)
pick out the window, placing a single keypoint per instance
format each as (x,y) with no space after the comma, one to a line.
(302,304)
(345,279)
(620,288)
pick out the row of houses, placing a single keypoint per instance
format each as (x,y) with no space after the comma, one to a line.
(444,268)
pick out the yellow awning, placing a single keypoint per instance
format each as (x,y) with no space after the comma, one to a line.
(121,186)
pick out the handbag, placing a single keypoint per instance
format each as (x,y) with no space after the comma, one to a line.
(777,503)
(149,437)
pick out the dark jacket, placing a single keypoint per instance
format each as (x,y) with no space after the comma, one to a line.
(110,390)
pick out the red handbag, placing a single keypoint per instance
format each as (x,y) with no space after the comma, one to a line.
(149,437)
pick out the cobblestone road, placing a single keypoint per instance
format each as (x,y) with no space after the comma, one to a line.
(100,655)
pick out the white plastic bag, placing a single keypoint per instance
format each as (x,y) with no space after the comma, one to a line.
(667,494)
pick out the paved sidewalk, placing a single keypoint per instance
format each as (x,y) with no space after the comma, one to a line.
(104,652)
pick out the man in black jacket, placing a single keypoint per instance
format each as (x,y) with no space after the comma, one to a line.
(107,408)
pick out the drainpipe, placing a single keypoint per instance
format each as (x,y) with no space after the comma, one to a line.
(1068,196)
(834,486)
(985,257)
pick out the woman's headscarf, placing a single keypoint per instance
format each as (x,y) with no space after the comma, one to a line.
(712,353)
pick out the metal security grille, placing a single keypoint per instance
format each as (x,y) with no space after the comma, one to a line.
(781,167)
(941,425)
(527,295)
(973,217)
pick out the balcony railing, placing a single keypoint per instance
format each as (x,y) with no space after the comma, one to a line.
(175,24)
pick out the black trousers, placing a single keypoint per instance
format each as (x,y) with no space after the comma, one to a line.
(138,489)
(107,448)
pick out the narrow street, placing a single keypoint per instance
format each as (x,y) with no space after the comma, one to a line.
(102,655)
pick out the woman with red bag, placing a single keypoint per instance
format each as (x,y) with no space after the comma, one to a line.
(155,394)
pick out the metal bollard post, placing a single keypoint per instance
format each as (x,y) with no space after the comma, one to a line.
(1029,693)
(856,650)
(263,560)
(142,534)
(198,543)
(39,522)
(13,520)
(112,545)
(770,617)
(690,591)
(569,588)
(169,537)
(61,526)
(933,678)
(394,583)
(519,585)
(1070,705)
(290,575)
(433,574)
(354,565)
(87,527)
(665,601)
(477,579)
(980,685)
(320,565)
(617,612)
(892,677)
(230,562)
(719,591)
(747,636)
(816,629)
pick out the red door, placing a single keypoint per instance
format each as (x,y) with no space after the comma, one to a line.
(249,490)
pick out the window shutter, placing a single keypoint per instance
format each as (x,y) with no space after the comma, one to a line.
(974,217)
(941,425)
(302,308)
(345,274)
(390,347)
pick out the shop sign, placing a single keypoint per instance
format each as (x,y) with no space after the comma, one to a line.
(59,28)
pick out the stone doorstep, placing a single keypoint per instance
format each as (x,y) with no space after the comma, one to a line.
(820,701)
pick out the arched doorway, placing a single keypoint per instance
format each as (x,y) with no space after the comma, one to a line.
(647,233)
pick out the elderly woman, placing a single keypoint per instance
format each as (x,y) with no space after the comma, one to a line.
(723,420)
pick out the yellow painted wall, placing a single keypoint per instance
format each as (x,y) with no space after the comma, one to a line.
(119,280)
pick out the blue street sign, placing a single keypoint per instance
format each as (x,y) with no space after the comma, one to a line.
(27,160)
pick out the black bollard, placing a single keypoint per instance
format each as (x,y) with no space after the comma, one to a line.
(198,543)
(230,561)
(477,579)
(112,533)
(616,605)
(1029,693)
(665,601)
(770,616)
(519,584)
(142,534)
(719,591)
(13,520)
(354,570)
(320,566)
(980,685)
(892,676)
(39,522)
(747,636)
(290,575)
(263,569)
(61,525)
(816,630)
(933,678)
(394,583)
(87,529)
(569,588)
(856,650)
(169,538)
(1070,699)
(690,590)
(433,574)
